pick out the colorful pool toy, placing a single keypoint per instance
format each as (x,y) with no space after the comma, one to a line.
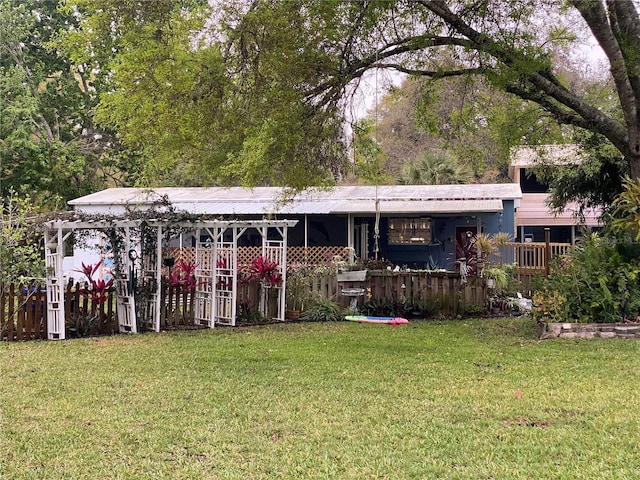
(383,320)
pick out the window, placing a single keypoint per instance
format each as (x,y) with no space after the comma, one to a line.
(407,231)
(530,184)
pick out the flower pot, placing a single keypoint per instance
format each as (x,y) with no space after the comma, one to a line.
(352,276)
(491,283)
(292,314)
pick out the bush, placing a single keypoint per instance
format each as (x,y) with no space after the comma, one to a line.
(383,307)
(20,252)
(323,311)
(598,282)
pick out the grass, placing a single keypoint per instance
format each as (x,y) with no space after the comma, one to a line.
(428,400)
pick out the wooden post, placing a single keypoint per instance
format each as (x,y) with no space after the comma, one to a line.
(547,251)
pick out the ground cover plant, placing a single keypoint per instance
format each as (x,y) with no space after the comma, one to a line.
(450,400)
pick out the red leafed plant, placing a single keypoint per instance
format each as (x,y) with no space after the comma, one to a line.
(84,322)
(266,271)
(98,288)
(183,275)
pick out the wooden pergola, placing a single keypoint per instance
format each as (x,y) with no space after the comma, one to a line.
(216,272)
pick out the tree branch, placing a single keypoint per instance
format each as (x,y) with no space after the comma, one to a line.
(433,73)
(595,15)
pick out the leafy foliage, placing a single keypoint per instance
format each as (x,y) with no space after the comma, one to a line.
(21,254)
(323,311)
(592,180)
(368,154)
(438,168)
(49,145)
(599,281)
(626,211)
(464,118)
(254,93)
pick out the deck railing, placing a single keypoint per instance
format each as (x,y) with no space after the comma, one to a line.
(530,257)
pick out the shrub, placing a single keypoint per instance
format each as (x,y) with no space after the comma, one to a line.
(598,282)
(323,311)
(383,307)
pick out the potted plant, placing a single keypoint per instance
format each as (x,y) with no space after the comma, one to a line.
(352,270)
(352,275)
(496,277)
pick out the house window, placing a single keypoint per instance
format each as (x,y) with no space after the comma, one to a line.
(529,183)
(407,231)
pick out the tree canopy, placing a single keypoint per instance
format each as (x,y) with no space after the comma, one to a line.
(254,92)
(50,146)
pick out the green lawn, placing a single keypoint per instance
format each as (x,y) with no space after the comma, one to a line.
(334,401)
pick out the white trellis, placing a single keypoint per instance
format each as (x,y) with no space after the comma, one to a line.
(216,272)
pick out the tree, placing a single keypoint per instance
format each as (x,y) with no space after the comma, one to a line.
(500,40)
(475,123)
(435,169)
(49,145)
(187,102)
(278,73)
(20,253)
(368,157)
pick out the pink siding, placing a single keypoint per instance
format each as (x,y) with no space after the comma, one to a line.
(533,211)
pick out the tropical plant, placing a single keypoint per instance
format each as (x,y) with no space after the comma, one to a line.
(83,323)
(498,275)
(378,264)
(299,291)
(323,311)
(265,271)
(598,282)
(434,168)
(549,306)
(626,211)
(183,275)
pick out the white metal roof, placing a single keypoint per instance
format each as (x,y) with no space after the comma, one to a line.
(400,199)
(525,156)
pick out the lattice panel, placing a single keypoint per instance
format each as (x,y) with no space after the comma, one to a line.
(314,255)
(224,284)
(301,255)
(204,283)
(55,294)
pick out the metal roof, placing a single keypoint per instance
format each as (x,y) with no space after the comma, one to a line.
(525,156)
(400,199)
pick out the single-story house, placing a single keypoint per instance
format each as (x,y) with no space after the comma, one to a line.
(533,215)
(416,226)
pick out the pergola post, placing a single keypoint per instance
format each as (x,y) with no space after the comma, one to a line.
(216,286)
(125,295)
(54,251)
(157,309)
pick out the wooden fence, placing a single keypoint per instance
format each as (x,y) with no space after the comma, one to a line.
(23,312)
(446,290)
